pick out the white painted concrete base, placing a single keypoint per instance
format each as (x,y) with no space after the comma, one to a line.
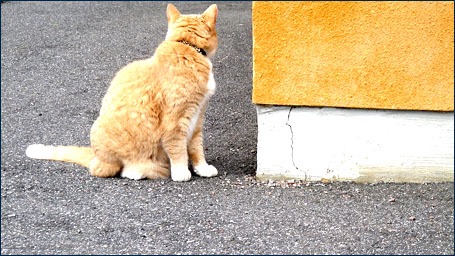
(313,144)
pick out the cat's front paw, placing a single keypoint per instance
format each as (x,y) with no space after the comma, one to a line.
(206,170)
(180,173)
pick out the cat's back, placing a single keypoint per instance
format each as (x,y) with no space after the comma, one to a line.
(133,74)
(128,84)
(174,69)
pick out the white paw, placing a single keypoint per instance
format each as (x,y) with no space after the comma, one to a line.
(131,174)
(205,170)
(180,173)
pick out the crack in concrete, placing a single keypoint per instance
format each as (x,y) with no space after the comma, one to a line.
(292,142)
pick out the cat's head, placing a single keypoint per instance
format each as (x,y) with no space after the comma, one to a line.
(198,30)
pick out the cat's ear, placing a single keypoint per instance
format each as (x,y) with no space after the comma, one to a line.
(172,13)
(210,14)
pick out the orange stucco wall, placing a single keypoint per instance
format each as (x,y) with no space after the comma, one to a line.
(385,55)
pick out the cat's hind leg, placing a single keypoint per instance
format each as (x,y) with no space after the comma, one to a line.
(145,169)
(103,169)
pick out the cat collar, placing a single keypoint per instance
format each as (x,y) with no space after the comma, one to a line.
(199,50)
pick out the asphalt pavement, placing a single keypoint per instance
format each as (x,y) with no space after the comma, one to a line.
(57,59)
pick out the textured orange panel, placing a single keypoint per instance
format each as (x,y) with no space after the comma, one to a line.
(384,55)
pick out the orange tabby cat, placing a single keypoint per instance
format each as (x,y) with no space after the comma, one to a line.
(151,117)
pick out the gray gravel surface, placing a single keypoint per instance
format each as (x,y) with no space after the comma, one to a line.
(57,59)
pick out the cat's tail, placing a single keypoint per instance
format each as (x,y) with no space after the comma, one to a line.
(72,154)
